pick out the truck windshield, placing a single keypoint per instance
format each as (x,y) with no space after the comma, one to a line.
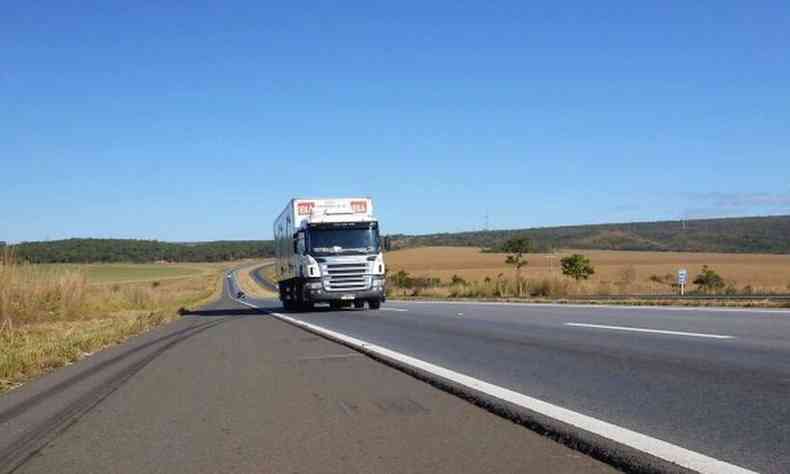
(343,239)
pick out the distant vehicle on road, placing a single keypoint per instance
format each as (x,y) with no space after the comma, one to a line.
(329,251)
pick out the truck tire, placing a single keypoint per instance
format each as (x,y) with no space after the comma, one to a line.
(285,295)
(374,304)
(359,304)
(335,305)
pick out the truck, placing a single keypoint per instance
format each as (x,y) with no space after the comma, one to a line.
(329,251)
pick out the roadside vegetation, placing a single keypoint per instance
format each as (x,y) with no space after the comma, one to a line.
(130,272)
(469,273)
(52,315)
(249,286)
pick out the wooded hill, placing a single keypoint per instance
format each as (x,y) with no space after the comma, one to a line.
(139,251)
(731,235)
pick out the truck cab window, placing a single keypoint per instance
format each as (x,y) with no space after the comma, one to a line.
(330,239)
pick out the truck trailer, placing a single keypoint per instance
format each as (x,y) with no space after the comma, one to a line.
(329,251)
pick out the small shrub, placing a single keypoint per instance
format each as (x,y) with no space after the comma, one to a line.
(548,288)
(456,280)
(708,281)
(540,289)
(399,279)
(517,261)
(577,267)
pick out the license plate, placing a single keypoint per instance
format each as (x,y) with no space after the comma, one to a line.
(347,297)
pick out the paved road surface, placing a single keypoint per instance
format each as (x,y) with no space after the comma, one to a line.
(229,389)
(713,381)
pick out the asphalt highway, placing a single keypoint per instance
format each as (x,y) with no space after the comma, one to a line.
(713,381)
(229,388)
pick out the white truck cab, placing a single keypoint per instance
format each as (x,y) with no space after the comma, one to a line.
(329,251)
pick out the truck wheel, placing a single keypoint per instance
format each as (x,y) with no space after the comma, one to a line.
(374,304)
(335,305)
(359,304)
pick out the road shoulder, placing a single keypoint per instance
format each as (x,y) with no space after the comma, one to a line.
(256,394)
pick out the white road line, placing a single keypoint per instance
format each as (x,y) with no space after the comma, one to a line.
(244,302)
(395,309)
(655,447)
(646,444)
(651,331)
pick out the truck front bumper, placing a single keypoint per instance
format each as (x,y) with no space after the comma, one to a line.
(323,296)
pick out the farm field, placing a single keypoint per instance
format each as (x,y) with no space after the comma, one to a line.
(761,272)
(132,272)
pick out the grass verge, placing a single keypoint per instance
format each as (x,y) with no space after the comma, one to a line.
(51,316)
(401,285)
(250,286)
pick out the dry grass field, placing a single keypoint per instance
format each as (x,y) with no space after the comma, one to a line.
(51,315)
(620,270)
(133,272)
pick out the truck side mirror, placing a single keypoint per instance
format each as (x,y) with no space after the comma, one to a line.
(297,237)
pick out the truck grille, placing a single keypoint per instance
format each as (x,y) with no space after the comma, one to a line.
(347,277)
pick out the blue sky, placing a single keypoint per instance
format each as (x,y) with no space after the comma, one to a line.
(199,121)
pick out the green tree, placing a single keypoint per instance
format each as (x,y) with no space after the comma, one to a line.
(518,245)
(577,266)
(708,280)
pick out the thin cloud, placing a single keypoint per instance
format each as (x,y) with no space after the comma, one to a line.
(743,200)
(719,204)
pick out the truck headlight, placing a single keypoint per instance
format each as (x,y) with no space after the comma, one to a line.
(378,282)
(316,285)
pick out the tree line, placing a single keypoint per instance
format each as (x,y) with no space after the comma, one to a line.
(138,251)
